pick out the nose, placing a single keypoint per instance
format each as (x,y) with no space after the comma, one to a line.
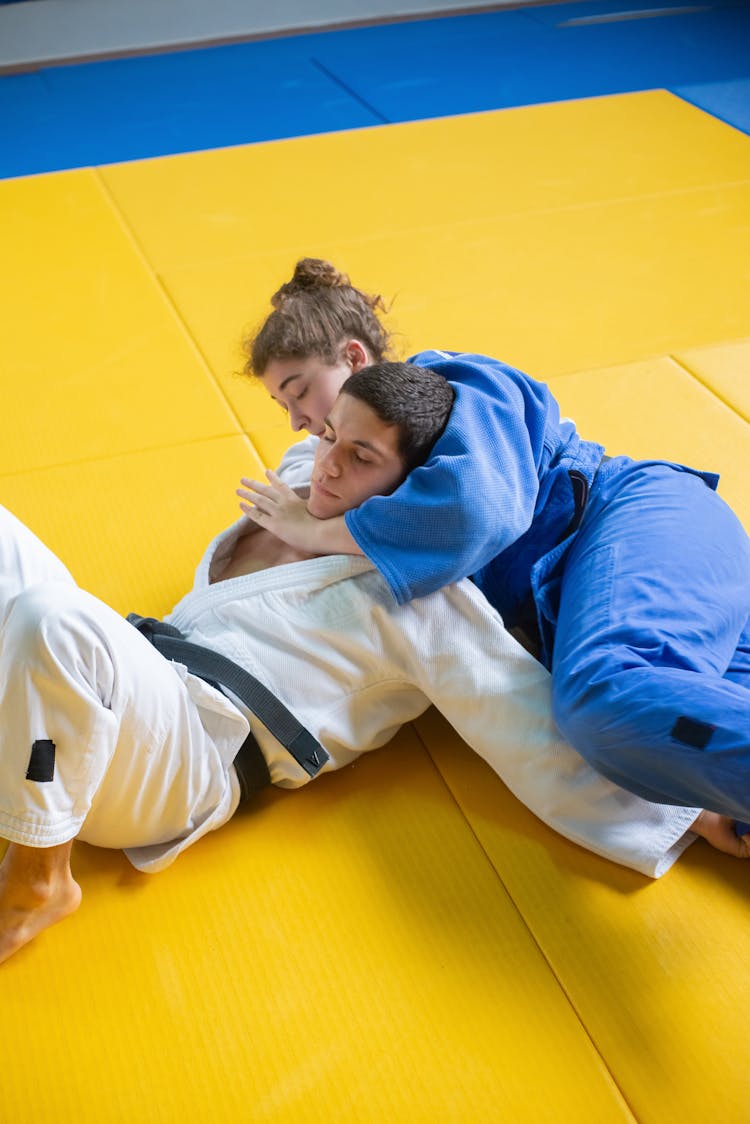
(297,418)
(328,462)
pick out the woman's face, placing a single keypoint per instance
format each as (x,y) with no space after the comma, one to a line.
(307,388)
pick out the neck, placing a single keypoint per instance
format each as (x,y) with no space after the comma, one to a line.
(257,550)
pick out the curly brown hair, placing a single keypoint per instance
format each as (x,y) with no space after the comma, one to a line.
(313,314)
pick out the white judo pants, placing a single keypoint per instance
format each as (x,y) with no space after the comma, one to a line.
(101,738)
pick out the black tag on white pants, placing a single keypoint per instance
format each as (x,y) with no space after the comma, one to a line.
(42,762)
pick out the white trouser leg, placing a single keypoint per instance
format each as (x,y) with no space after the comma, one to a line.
(134,763)
(24,560)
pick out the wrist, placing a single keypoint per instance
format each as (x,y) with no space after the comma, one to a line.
(316,531)
(330,536)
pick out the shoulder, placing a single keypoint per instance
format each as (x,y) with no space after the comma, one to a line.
(471,369)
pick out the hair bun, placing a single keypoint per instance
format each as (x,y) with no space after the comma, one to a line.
(310,274)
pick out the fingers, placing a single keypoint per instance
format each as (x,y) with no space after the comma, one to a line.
(251,486)
(257,509)
(278,484)
(248,497)
(255,497)
(265,502)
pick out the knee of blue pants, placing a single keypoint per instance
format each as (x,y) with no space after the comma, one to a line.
(589,713)
(578,709)
(669,736)
(618,718)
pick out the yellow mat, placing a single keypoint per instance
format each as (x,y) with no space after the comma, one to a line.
(401,941)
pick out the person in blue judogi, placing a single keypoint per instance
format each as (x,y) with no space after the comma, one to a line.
(631,579)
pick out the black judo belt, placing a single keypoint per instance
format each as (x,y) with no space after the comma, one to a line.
(581,492)
(220,672)
(525,620)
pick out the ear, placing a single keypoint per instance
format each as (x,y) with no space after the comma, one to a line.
(356,355)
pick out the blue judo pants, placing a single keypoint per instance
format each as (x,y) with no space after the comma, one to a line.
(651,658)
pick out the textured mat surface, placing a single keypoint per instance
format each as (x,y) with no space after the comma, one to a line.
(54,117)
(401,941)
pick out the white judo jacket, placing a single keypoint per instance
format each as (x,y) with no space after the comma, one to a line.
(327,637)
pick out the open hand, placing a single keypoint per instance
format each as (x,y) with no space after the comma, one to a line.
(277,507)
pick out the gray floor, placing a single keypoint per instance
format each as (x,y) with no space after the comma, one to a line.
(45,31)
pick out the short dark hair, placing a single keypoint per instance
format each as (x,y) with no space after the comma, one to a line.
(416,400)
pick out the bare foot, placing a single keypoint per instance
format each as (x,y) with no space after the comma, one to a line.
(719,832)
(37,889)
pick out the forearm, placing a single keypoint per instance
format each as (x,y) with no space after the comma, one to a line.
(331,536)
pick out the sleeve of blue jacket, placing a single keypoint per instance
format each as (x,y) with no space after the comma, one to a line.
(476,493)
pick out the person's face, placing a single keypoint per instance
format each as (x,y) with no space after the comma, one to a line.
(307,388)
(357,457)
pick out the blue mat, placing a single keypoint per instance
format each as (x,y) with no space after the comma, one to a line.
(126,109)
(104,112)
(505,59)
(729,101)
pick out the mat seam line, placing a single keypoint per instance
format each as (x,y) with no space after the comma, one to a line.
(503,217)
(33,469)
(348,90)
(532,935)
(167,296)
(707,386)
(631,358)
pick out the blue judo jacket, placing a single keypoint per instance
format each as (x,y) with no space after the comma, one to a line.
(497,499)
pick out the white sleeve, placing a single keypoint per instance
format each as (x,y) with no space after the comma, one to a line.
(498,698)
(296,464)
